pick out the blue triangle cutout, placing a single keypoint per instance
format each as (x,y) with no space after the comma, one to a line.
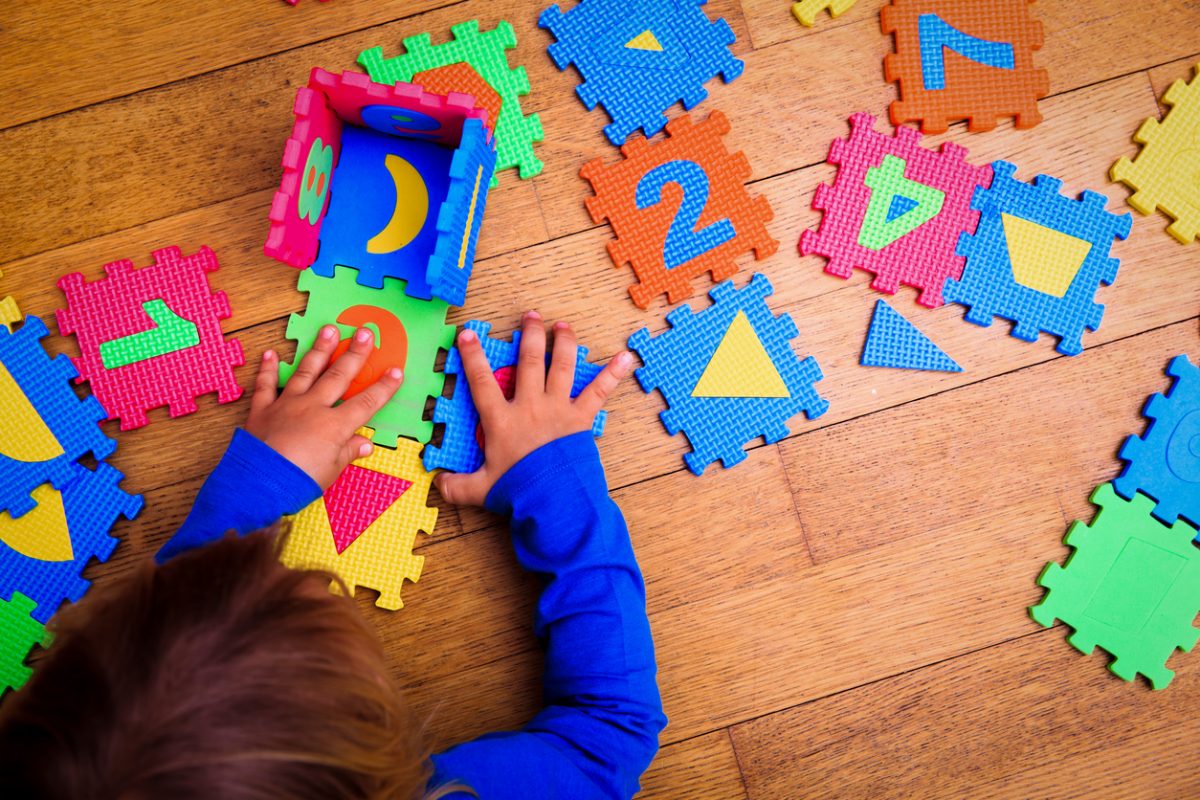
(893,341)
(900,206)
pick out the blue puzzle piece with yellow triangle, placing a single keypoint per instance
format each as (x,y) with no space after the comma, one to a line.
(639,59)
(893,341)
(728,374)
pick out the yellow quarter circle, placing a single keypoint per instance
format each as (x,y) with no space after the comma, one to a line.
(26,437)
(646,40)
(1042,258)
(740,367)
(43,533)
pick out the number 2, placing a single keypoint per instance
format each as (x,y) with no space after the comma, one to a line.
(684,242)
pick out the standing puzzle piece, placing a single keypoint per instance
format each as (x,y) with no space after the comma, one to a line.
(988,73)
(728,373)
(117,314)
(896,209)
(408,334)
(639,59)
(1132,586)
(679,208)
(806,11)
(1164,463)
(46,426)
(487,53)
(461,450)
(1037,258)
(43,554)
(19,632)
(1166,173)
(379,553)
(893,341)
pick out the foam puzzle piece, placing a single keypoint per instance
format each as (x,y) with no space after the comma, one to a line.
(47,427)
(19,632)
(487,53)
(1166,173)
(408,333)
(381,556)
(679,208)
(114,307)
(463,78)
(806,11)
(639,59)
(1037,258)
(1164,463)
(893,341)
(1132,586)
(989,73)
(10,314)
(43,553)
(915,248)
(677,359)
(460,449)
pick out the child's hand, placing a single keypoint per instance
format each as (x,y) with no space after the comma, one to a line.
(301,423)
(541,409)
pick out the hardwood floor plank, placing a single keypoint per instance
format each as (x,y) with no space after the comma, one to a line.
(704,768)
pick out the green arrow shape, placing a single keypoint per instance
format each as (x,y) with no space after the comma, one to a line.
(170,333)
(887,182)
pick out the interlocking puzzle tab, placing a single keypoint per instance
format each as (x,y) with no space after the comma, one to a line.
(152,337)
(391,180)
(987,74)
(807,10)
(1166,173)
(47,427)
(408,334)
(1164,463)
(893,341)
(639,59)
(728,374)
(896,209)
(1037,258)
(1132,586)
(461,448)
(679,208)
(43,553)
(364,528)
(487,53)
(19,632)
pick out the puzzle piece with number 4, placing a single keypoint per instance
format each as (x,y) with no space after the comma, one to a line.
(462,439)
(19,632)
(728,374)
(679,208)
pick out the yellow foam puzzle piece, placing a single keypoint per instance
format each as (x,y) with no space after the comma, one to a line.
(1165,175)
(381,558)
(26,437)
(807,10)
(43,533)
(646,40)
(740,367)
(9,313)
(1042,258)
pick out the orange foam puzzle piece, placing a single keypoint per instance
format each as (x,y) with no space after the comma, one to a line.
(462,77)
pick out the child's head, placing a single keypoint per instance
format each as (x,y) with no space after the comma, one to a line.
(219,674)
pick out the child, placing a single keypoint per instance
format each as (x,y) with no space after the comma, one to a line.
(223,674)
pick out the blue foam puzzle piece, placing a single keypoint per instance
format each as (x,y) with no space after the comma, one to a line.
(459,450)
(92,500)
(988,287)
(74,423)
(635,86)
(720,427)
(1164,463)
(893,341)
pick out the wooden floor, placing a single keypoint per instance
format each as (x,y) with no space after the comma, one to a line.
(842,615)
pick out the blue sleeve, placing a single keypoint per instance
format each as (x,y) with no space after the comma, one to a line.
(599,729)
(251,487)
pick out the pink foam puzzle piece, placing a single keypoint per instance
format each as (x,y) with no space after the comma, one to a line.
(357,498)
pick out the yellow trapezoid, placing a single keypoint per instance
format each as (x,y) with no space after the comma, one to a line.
(646,40)
(740,367)
(1042,258)
(43,533)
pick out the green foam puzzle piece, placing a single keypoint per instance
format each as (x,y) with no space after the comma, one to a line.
(487,53)
(170,333)
(19,632)
(422,331)
(1132,586)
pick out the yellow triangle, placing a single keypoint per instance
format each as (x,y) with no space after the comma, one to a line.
(1042,258)
(42,534)
(740,367)
(26,437)
(646,40)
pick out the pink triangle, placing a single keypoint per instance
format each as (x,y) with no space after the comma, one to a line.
(356,499)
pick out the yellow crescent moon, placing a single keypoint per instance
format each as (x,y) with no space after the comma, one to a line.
(26,437)
(42,534)
(412,207)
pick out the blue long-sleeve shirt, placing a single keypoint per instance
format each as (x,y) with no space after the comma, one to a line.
(599,729)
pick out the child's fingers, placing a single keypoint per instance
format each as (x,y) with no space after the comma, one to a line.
(330,387)
(358,410)
(489,400)
(593,398)
(464,489)
(356,447)
(531,360)
(562,363)
(314,361)
(266,383)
